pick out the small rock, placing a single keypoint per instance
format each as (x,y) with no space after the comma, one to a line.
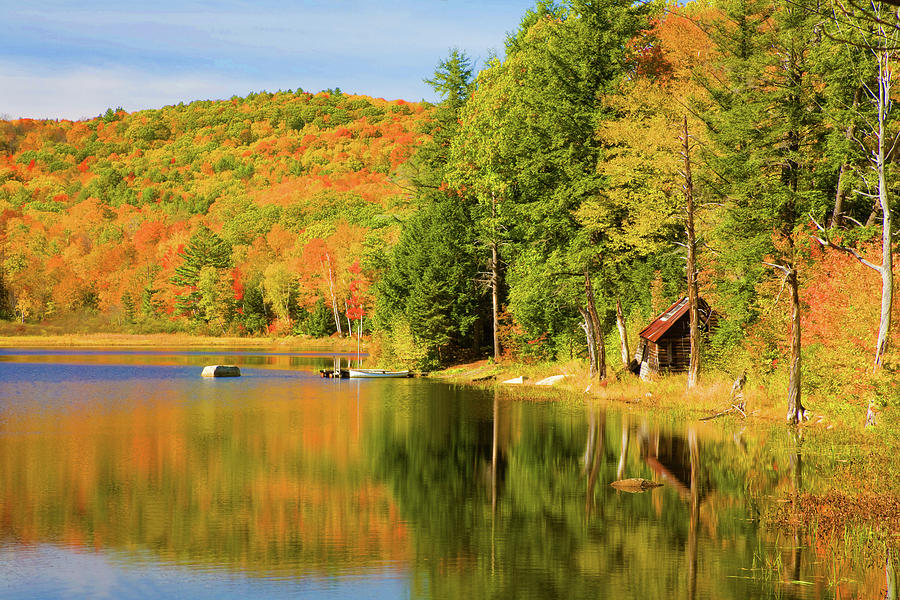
(519,379)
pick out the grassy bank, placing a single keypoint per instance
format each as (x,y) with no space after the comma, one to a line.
(764,404)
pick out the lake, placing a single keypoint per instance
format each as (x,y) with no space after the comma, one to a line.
(124,474)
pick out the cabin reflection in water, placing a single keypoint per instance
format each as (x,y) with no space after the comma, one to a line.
(674,460)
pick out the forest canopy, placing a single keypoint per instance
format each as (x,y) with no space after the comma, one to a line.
(538,210)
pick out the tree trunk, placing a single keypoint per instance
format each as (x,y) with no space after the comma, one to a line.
(841,192)
(495,301)
(890,578)
(597,326)
(623,335)
(495,284)
(887,259)
(693,296)
(359,330)
(591,337)
(347,315)
(334,305)
(873,214)
(839,196)
(795,410)
(887,262)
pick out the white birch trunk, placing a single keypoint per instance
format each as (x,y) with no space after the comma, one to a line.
(885,72)
(623,335)
(334,305)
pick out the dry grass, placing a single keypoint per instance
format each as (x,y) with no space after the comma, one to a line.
(668,393)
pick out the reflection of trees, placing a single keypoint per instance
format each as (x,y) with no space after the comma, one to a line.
(695,513)
(482,496)
(796,461)
(267,485)
(549,524)
(437,457)
(592,453)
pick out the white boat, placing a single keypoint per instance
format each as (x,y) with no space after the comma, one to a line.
(354,373)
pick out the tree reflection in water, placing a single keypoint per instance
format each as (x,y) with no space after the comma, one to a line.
(469,492)
(544,521)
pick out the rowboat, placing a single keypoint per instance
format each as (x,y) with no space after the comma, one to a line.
(354,373)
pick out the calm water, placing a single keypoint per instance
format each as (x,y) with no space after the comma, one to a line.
(126,475)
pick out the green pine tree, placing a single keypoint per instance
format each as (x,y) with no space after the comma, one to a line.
(205,249)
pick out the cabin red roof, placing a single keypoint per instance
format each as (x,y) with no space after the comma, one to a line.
(664,321)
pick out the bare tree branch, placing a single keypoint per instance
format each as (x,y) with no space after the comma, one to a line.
(851,251)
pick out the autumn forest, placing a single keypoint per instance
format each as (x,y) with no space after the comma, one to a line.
(537,212)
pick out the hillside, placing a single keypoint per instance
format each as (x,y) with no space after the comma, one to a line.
(97,215)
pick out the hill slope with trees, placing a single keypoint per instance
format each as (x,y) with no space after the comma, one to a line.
(243,215)
(538,211)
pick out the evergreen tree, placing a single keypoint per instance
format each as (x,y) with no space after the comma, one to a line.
(527,153)
(454,83)
(767,131)
(428,286)
(205,249)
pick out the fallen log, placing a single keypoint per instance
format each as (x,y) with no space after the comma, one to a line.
(634,485)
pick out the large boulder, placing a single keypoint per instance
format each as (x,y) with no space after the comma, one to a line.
(221,371)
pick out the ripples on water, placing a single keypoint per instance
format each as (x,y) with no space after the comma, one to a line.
(127,475)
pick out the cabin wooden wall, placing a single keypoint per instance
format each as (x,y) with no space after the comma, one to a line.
(672,352)
(669,354)
(649,360)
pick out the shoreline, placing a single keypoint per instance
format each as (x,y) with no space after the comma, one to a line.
(176,340)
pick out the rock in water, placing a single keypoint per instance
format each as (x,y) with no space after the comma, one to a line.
(635,485)
(221,371)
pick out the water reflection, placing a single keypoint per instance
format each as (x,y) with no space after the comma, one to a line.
(287,479)
(199,472)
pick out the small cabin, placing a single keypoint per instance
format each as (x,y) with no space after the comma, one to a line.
(665,344)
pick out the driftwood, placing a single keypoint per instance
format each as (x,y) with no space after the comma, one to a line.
(635,485)
(871,415)
(736,399)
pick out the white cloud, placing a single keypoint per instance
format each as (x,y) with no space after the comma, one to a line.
(87,92)
(74,61)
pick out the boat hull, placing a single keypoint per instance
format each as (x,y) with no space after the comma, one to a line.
(378,373)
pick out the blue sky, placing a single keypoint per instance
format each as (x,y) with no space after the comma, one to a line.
(75,59)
